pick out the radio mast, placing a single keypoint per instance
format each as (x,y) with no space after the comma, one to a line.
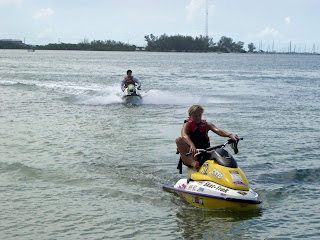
(206,18)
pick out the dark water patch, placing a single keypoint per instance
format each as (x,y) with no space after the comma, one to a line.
(260,166)
(19,167)
(18,85)
(294,176)
(129,174)
(279,189)
(26,174)
(114,185)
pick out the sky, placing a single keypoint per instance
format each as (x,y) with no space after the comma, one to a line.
(266,23)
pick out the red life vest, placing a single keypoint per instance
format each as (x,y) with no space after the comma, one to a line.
(198,133)
(128,81)
(202,125)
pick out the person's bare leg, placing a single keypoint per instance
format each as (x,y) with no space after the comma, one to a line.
(183,149)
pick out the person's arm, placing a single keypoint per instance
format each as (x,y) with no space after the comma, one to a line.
(220,132)
(136,80)
(122,84)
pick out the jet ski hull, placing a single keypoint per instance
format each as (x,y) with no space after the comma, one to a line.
(136,99)
(209,195)
(131,95)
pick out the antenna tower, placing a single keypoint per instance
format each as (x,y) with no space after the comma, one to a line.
(206,18)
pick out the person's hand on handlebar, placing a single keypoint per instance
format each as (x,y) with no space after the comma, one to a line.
(234,136)
(193,149)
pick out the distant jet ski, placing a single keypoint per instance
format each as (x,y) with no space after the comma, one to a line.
(131,95)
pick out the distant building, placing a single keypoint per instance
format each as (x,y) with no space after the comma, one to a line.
(140,49)
(15,41)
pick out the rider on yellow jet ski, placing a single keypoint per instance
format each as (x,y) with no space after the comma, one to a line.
(194,135)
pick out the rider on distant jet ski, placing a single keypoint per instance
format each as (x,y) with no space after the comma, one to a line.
(194,135)
(129,79)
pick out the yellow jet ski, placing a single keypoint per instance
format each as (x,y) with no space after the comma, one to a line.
(219,183)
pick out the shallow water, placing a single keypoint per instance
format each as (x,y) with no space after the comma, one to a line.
(77,163)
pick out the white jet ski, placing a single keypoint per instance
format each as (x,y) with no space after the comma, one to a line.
(131,95)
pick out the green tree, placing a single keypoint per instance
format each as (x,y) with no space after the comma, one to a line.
(238,47)
(95,45)
(225,44)
(251,47)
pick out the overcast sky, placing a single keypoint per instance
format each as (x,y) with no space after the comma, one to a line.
(265,22)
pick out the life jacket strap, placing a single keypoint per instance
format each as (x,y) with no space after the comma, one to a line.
(179,167)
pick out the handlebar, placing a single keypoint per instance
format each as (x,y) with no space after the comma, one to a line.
(211,149)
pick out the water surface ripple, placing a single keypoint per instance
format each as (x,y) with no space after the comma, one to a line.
(76,163)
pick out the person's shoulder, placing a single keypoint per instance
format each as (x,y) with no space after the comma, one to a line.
(186,125)
(210,124)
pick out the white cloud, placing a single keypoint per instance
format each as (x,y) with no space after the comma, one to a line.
(287,20)
(43,13)
(268,32)
(197,8)
(194,7)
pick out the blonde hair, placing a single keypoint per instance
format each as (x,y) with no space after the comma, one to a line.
(194,109)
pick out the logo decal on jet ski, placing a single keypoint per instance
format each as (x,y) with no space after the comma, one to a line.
(236,177)
(192,188)
(197,200)
(215,173)
(242,193)
(216,187)
(241,184)
(205,168)
(234,172)
(237,180)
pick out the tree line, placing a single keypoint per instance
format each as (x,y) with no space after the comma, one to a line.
(85,45)
(163,43)
(180,43)
(96,45)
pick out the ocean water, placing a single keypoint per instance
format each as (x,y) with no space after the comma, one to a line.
(77,163)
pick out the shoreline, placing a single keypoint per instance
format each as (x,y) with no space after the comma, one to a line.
(80,50)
